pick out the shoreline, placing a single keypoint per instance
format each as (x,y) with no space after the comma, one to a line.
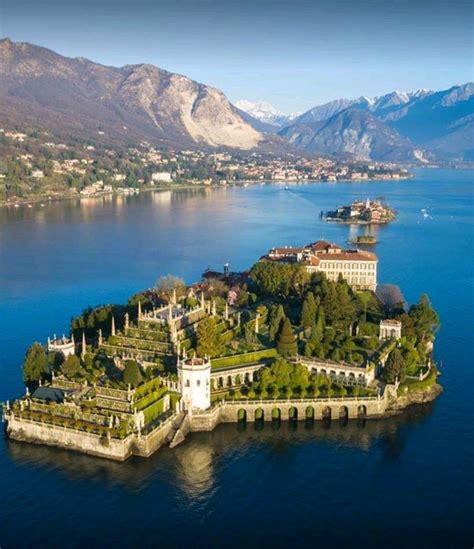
(172,432)
(48,199)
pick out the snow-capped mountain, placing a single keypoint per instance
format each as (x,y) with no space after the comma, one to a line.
(394,126)
(265,112)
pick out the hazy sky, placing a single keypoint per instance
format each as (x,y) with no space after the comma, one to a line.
(295,54)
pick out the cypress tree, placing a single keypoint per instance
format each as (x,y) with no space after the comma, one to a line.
(308,311)
(277,317)
(287,341)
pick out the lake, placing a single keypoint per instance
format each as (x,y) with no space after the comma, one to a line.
(405,481)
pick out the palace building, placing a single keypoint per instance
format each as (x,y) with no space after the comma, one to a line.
(357,267)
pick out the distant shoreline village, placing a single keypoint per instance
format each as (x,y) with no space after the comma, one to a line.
(307,333)
(40,169)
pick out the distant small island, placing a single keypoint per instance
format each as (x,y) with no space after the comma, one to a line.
(363,213)
(305,334)
(367,240)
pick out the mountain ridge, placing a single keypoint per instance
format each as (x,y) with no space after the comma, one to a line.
(40,86)
(438,124)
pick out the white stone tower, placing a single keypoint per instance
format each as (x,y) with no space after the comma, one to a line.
(195,383)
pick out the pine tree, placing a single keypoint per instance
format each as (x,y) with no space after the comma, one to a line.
(287,341)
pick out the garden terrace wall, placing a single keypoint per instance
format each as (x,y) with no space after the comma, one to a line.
(244,358)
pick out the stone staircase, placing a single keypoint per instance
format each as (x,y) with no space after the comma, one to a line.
(180,429)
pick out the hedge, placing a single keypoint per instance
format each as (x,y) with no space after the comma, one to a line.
(154,410)
(244,358)
(149,399)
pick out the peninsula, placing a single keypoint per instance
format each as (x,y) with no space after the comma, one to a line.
(305,334)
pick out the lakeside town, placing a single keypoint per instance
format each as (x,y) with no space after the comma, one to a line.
(308,333)
(35,167)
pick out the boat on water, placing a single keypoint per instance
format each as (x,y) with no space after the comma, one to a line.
(286,188)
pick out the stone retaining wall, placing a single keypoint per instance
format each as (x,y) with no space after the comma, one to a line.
(70,439)
(226,412)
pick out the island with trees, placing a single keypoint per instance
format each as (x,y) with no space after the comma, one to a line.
(368,212)
(275,343)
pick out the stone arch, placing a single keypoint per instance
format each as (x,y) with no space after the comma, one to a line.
(213,384)
(326,413)
(242,414)
(259,414)
(293,413)
(361,410)
(229,381)
(343,412)
(221,382)
(276,414)
(309,412)
(247,377)
(237,379)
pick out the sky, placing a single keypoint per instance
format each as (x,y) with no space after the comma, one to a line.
(294,53)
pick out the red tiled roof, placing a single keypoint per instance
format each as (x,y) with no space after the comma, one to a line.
(286,250)
(348,255)
(321,245)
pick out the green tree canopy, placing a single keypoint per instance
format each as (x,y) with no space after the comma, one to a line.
(394,367)
(277,316)
(425,319)
(132,373)
(71,366)
(208,340)
(287,341)
(35,365)
(308,311)
(279,279)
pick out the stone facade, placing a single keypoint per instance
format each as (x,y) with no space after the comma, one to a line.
(390,329)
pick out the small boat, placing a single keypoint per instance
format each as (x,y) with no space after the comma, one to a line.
(287,188)
(30,206)
(42,205)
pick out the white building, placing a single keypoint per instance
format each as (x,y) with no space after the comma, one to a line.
(63,345)
(161,177)
(390,329)
(195,383)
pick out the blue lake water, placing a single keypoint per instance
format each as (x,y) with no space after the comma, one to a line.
(401,482)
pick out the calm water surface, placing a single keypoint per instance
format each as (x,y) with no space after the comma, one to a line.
(403,482)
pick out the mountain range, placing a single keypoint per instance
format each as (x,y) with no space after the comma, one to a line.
(77,98)
(399,126)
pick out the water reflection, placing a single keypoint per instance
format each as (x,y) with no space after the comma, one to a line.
(194,465)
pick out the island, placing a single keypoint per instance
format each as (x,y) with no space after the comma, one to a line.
(306,334)
(364,213)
